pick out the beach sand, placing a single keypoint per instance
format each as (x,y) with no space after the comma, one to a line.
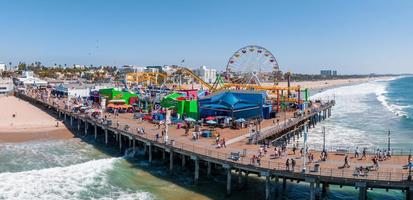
(28,123)
(325,84)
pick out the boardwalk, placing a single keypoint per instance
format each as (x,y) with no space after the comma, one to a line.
(390,174)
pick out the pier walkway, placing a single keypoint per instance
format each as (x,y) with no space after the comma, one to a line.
(237,156)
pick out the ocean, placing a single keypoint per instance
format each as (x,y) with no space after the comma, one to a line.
(80,169)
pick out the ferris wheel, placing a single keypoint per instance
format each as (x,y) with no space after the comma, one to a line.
(251,64)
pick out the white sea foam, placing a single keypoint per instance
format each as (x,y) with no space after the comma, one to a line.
(350,94)
(342,130)
(396,109)
(81,181)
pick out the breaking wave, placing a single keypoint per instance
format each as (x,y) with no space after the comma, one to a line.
(80,181)
(398,110)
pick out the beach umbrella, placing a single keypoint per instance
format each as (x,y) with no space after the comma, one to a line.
(211,122)
(188,119)
(210,118)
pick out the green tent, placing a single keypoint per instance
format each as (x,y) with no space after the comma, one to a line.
(111,93)
(170,101)
(190,108)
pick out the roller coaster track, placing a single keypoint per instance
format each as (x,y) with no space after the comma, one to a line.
(187,71)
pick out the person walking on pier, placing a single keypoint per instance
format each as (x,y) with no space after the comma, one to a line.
(364,154)
(346,162)
(356,153)
(292,164)
(287,164)
(294,148)
(157,137)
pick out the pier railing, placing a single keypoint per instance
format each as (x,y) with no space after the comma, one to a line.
(265,164)
(271,130)
(279,166)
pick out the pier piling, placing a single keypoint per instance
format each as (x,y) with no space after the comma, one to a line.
(106,136)
(149,152)
(312,182)
(171,160)
(208,169)
(267,184)
(246,179)
(96,131)
(240,178)
(120,141)
(86,126)
(362,186)
(228,168)
(409,193)
(183,160)
(196,173)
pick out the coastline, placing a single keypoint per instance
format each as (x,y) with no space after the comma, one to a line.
(21,122)
(328,84)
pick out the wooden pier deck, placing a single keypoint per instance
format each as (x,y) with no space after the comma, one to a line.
(390,175)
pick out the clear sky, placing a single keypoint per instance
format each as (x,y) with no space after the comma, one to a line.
(305,36)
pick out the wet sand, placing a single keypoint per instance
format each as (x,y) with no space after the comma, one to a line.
(20,122)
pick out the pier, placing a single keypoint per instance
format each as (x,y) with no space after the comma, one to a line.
(235,159)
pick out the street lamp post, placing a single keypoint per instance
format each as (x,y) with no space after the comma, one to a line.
(388,141)
(324,138)
(305,148)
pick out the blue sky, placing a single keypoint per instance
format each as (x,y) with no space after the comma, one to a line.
(305,36)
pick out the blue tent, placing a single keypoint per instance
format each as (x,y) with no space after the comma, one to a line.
(236,104)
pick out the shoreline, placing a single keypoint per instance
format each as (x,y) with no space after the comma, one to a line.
(33,124)
(22,122)
(334,83)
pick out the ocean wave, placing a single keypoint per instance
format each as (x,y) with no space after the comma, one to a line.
(81,181)
(338,136)
(396,109)
(45,154)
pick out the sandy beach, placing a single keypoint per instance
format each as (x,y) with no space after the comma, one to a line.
(21,121)
(324,84)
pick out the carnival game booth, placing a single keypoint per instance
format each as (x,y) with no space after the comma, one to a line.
(183,106)
(118,105)
(234,104)
(115,94)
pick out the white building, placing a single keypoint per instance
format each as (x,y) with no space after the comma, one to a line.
(6,86)
(78,90)
(208,75)
(2,67)
(28,78)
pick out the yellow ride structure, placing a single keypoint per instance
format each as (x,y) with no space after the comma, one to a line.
(148,78)
(277,93)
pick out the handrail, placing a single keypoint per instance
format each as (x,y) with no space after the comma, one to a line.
(277,166)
